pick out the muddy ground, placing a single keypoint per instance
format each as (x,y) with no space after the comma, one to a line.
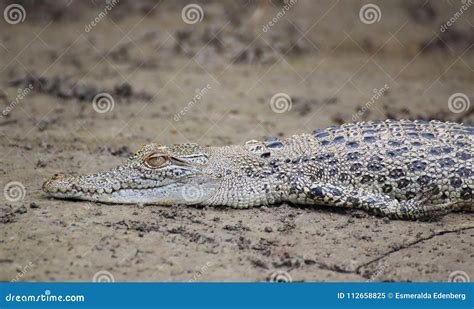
(211,82)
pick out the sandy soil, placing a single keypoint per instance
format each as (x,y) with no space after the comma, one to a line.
(152,64)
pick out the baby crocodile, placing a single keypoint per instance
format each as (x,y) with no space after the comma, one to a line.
(399,169)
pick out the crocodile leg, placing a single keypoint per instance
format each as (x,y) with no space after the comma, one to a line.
(382,205)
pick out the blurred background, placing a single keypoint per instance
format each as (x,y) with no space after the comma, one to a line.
(85,83)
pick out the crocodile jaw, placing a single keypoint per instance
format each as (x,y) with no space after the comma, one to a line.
(170,193)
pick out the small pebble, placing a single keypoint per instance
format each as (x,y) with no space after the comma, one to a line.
(268,229)
(21,210)
(34,205)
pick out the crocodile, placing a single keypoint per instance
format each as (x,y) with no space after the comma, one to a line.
(398,169)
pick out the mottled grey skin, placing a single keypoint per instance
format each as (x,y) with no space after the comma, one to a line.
(399,169)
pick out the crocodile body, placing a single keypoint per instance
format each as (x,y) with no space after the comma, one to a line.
(399,169)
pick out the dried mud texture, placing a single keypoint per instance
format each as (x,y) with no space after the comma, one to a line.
(333,76)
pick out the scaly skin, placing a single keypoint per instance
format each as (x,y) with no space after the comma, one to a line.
(399,169)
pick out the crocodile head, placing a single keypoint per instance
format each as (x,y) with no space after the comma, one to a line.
(156,174)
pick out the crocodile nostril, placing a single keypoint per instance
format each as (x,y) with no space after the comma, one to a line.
(58,176)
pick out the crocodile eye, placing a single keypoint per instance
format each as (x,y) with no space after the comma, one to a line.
(155,161)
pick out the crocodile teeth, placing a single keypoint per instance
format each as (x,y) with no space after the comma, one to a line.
(108,190)
(100,191)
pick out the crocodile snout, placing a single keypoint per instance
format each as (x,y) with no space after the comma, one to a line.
(58,183)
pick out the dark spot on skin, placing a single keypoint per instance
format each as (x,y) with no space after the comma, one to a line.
(355,167)
(316,192)
(265,155)
(339,139)
(352,144)
(466,193)
(422,122)
(446,149)
(376,158)
(353,156)
(325,142)
(287,160)
(409,125)
(409,195)
(367,132)
(423,180)
(275,145)
(333,172)
(461,144)
(320,173)
(381,179)
(456,182)
(435,189)
(417,144)
(463,156)
(317,131)
(394,153)
(343,177)
(366,179)
(374,166)
(370,139)
(464,172)
(428,135)
(321,134)
(336,192)
(417,165)
(446,162)
(397,173)
(413,134)
(387,188)
(354,201)
(436,151)
(394,144)
(402,183)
